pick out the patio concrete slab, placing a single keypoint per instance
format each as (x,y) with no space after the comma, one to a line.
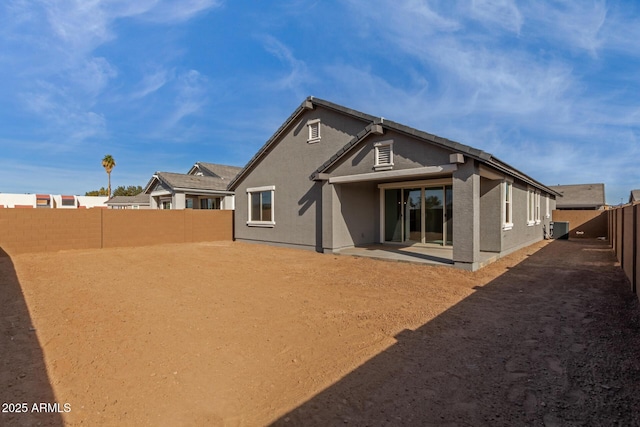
(421,254)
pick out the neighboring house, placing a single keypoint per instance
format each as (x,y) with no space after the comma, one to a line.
(139,201)
(50,201)
(332,178)
(634,196)
(580,197)
(204,187)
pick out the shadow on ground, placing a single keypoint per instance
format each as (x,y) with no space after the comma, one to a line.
(23,376)
(552,342)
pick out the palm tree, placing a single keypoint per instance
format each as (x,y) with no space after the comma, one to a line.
(108,163)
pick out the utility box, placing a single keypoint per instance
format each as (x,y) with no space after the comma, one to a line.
(560,230)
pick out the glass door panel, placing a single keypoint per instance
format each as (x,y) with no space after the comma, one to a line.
(448,197)
(413,214)
(393,215)
(434,215)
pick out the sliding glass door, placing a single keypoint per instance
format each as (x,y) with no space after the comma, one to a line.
(419,215)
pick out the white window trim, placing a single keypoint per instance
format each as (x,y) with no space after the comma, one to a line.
(310,125)
(548,199)
(530,207)
(508,186)
(271,223)
(538,211)
(383,166)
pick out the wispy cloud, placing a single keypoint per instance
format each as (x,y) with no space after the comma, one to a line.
(58,40)
(500,13)
(296,74)
(190,97)
(151,83)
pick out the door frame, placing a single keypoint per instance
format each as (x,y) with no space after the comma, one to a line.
(422,184)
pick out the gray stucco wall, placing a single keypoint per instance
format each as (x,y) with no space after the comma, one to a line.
(466,218)
(407,154)
(297,200)
(356,215)
(490,215)
(522,234)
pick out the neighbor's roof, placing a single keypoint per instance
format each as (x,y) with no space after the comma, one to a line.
(634,196)
(225,172)
(311,102)
(580,195)
(180,181)
(139,199)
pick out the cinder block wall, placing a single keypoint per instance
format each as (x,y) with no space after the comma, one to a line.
(628,243)
(45,230)
(142,227)
(592,223)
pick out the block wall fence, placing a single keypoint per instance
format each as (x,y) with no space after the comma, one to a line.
(589,224)
(45,230)
(624,229)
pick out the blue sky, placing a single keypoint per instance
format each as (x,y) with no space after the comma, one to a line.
(550,87)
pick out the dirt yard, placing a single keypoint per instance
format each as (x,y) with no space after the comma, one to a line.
(247,335)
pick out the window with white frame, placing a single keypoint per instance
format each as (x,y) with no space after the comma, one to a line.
(314,131)
(383,156)
(537,207)
(531,196)
(548,199)
(507,206)
(260,206)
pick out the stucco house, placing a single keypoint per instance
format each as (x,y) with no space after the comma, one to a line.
(580,196)
(332,178)
(139,201)
(203,187)
(51,201)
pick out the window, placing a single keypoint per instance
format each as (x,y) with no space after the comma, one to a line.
(507,206)
(43,201)
(166,205)
(548,199)
(210,203)
(260,206)
(314,131)
(68,201)
(384,156)
(531,195)
(537,207)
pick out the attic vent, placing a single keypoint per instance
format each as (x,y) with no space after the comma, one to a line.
(384,156)
(314,131)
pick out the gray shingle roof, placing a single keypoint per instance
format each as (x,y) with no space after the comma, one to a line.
(225,172)
(580,195)
(192,182)
(372,120)
(634,196)
(139,199)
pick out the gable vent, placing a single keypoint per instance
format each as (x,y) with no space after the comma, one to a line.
(384,155)
(314,130)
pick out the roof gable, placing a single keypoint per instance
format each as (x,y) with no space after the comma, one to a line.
(225,172)
(580,195)
(377,125)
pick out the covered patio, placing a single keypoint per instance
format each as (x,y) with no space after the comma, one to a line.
(416,253)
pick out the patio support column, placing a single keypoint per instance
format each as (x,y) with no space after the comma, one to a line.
(178,201)
(466,216)
(326,219)
(153,202)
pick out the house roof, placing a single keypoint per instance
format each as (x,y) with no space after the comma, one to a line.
(580,195)
(225,172)
(139,199)
(634,196)
(181,181)
(374,123)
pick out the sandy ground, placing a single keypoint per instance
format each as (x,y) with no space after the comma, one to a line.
(243,335)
